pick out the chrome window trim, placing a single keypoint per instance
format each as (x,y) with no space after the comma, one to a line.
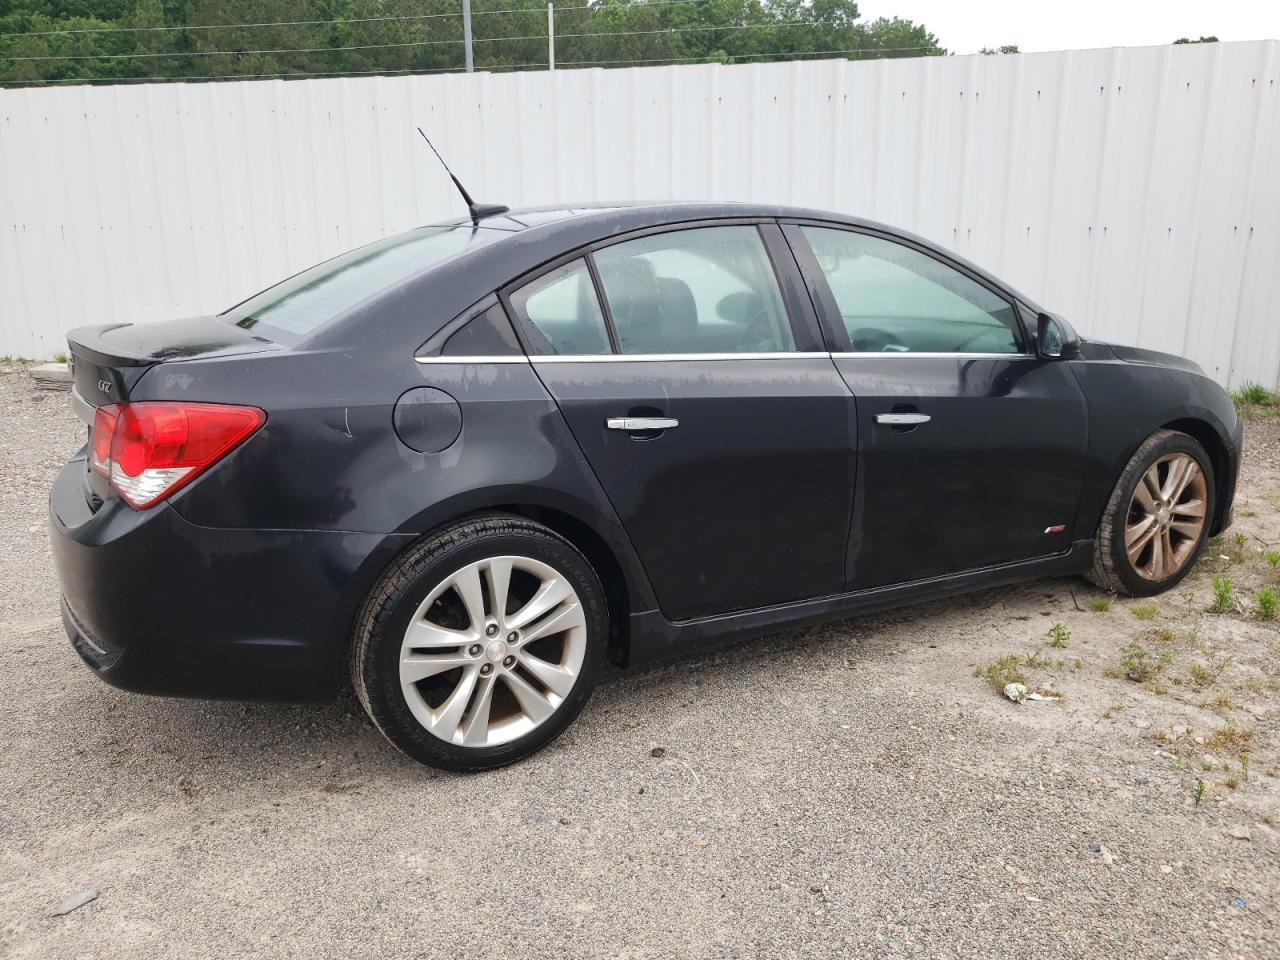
(907,354)
(687,357)
(704,357)
(506,358)
(84,410)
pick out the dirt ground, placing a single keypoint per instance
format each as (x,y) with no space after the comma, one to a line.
(849,790)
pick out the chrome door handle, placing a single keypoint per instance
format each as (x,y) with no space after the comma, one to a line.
(641,423)
(902,419)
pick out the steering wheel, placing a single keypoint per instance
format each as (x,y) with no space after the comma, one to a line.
(875,340)
(756,332)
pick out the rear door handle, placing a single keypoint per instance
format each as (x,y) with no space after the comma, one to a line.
(902,419)
(633,424)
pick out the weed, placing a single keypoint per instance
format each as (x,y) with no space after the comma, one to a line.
(1199,795)
(1267,603)
(1206,674)
(1058,636)
(1144,611)
(1100,604)
(1230,739)
(1223,598)
(1221,700)
(1000,673)
(1037,660)
(1164,634)
(59,357)
(1253,394)
(1112,710)
(1138,664)
(1273,558)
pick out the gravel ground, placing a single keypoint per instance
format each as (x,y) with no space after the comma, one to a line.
(849,790)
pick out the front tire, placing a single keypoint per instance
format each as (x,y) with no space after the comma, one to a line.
(481,645)
(1157,520)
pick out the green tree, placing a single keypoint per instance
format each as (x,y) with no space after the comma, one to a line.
(44,41)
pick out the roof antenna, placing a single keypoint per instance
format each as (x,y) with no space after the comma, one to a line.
(478,211)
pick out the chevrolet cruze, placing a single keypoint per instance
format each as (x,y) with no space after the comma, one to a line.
(464,466)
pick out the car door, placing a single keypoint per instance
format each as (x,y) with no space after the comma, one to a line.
(698,388)
(971,447)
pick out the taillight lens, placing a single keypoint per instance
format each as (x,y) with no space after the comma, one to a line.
(151,448)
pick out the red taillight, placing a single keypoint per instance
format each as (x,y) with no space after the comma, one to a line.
(152,448)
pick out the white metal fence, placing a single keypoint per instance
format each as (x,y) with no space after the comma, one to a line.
(1136,191)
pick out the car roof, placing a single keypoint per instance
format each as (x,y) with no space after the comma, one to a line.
(646,213)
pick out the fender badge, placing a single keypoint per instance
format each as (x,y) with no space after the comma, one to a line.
(1056,528)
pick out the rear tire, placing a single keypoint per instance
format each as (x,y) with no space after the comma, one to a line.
(1157,520)
(480,645)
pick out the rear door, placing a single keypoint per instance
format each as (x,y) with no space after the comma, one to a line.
(696,383)
(971,447)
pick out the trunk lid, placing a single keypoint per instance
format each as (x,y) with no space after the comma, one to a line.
(107,360)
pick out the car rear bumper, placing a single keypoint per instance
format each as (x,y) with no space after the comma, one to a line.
(156,604)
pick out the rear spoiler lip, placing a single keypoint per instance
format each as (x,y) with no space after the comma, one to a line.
(87,342)
(144,344)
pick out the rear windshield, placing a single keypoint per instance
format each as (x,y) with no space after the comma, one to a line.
(300,305)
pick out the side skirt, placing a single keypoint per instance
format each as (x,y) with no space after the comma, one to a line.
(654,637)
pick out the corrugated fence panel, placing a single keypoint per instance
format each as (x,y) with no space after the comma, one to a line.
(1133,190)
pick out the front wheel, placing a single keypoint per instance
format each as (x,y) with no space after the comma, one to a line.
(1158,517)
(481,645)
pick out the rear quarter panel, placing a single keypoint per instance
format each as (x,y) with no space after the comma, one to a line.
(329,458)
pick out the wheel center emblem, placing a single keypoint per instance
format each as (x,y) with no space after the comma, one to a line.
(495,651)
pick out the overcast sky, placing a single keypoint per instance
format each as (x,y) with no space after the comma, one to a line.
(963,26)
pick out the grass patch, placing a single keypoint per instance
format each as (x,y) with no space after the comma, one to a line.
(1273,559)
(1139,665)
(1037,660)
(1204,675)
(1230,739)
(1252,394)
(1100,604)
(1144,611)
(1000,673)
(1266,598)
(59,357)
(1058,636)
(1224,600)
(1221,701)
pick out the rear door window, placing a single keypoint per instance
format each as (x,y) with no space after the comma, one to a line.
(701,290)
(562,313)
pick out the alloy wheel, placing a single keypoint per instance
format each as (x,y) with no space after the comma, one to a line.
(1166,516)
(493,651)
